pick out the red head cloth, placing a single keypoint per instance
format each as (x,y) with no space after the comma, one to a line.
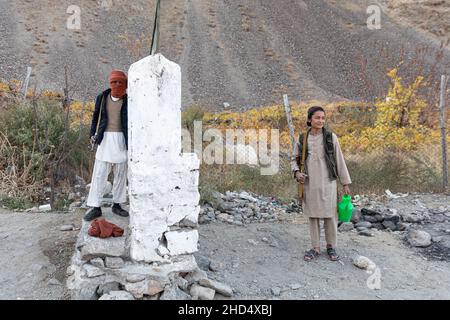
(104,229)
(118,83)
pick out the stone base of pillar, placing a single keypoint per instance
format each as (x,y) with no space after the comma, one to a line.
(102,269)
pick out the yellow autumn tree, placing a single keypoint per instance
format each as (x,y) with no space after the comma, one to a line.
(397,124)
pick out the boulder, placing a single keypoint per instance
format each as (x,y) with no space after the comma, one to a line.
(346,226)
(390,225)
(356,215)
(363,263)
(419,238)
(364,224)
(202,293)
(221,288)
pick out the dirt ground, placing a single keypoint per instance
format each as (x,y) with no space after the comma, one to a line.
(256,260)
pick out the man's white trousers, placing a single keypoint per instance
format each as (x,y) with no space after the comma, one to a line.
(99,179)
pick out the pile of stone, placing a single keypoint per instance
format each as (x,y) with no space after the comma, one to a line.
(404,214)
(242,208)
(380,218)
(102,269)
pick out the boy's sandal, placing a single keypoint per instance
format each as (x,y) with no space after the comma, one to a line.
(332,254)
(311,254)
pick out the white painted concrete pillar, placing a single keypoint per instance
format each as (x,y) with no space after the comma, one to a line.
(163,183)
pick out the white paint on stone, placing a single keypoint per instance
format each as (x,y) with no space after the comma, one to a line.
(163,183)
(162,250)
(182,242)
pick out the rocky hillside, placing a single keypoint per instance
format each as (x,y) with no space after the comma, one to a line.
(243,52)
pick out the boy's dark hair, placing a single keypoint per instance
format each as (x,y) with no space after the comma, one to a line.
(311,111)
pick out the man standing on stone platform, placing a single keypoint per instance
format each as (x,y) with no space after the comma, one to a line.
(109,130)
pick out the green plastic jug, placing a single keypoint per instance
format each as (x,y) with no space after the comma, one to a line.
(345,208)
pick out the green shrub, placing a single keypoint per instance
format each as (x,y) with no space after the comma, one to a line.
(36,139)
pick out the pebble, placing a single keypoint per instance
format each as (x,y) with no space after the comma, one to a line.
(276,291)
(295,286)
(363,263)
(366,233)
(67,227)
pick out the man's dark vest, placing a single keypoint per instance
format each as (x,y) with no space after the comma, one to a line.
(100,107)
(330,158)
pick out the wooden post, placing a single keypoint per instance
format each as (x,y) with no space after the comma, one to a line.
(25,84)
(444,80)
(287,109)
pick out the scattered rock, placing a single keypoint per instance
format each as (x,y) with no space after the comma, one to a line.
(67,227)
(244,195)
(88,293)
(154,287)
(182,283)
(346,226)
(402,226)
(70,270)
(45,208)
(216,266)
(295,286)
(364,263)
(378,225)
(225,217)
(133,278)
(221,288)
(364,224)
(276,291)
(253,242)
(203,262)
(413,218)
(395,196)
(174,293)
(114,262)
(419,238)
(97,262)
(92,271)
(137,289)
(195,276)
(117,295)
(368,212)
(371,219)
(392,215)
(366,233)
(356,215)
(202,293)
(106,288)
(389,225)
